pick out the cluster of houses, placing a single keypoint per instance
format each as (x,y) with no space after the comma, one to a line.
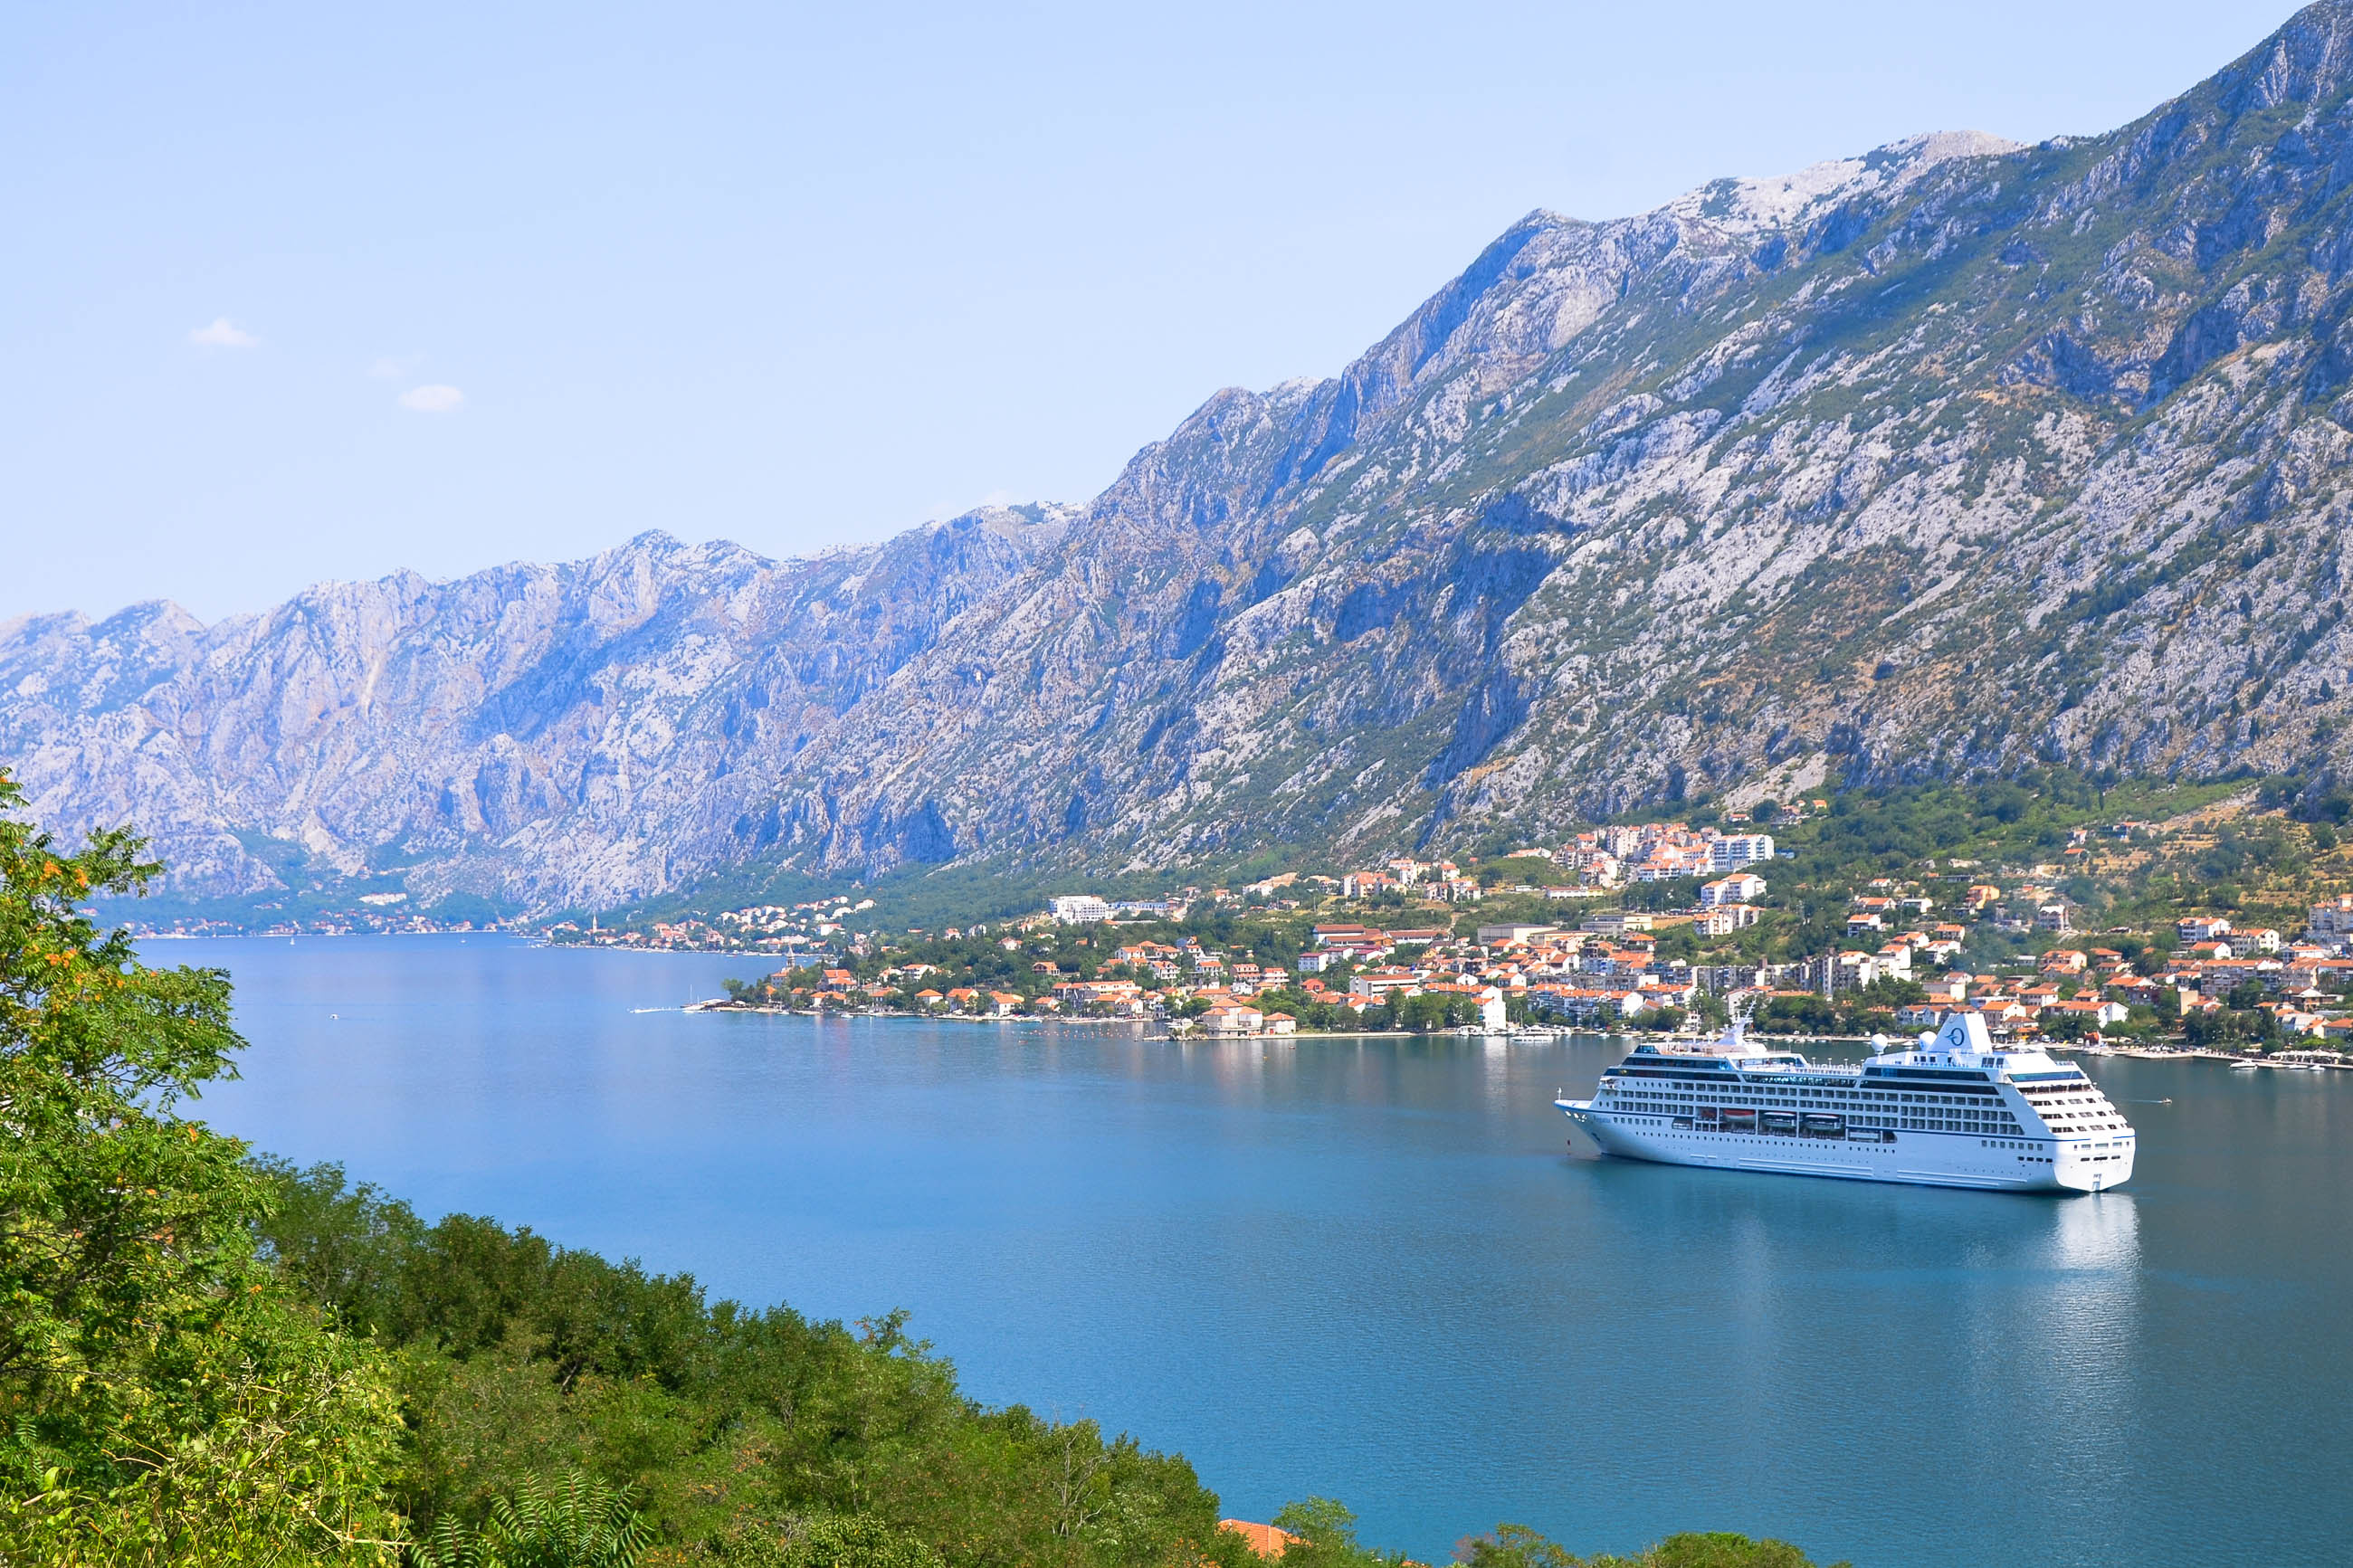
(1653,852)
(1606,967)
(2301,983)
(1427,879)
(807,930)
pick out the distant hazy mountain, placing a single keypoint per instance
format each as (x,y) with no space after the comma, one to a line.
(1947,458)
(551,733)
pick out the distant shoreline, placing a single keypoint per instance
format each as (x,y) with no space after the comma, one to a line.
(720,1005)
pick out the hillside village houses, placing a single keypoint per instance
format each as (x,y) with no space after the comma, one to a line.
(1604,969)
(1655,852)
(1605,966)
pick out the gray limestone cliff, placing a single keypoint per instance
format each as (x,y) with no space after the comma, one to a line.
(551,734)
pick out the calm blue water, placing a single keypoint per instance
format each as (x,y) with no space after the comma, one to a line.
(1366,1270)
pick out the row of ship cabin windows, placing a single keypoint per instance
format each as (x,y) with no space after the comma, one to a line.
(1931,1112)
(1742,1095)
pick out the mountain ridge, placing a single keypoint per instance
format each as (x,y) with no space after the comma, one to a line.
(416,729)
(1957,456)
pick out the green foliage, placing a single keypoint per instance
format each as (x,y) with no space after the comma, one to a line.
(1675,893)
(1723,1549)
(1516,1546)
(1422,1014)
(2068,1026)
(1533,870)
(1326,1529)
(343,1241)
(834,1540)
(1312,1009)
(522,1359)
(1869,1010)
(577,1521)
(1888,831)
(167,1397)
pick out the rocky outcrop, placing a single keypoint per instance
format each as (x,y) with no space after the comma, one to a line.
(1948,460)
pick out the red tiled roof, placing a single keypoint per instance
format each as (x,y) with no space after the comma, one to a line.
(1263,1539)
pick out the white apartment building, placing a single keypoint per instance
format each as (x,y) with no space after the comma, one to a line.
(1737,849)
(1740,887)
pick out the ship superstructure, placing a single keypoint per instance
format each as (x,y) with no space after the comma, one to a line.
(1952,1109)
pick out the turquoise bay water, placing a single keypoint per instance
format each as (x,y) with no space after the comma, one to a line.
(1369,1270)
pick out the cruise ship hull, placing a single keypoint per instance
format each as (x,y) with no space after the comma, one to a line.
(1921,1159)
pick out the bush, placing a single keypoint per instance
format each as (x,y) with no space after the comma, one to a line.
(1516,1546)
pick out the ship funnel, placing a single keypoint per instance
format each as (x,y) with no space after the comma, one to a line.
(1965,1033)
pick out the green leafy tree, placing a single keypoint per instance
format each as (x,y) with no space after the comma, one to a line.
(1425,1012)
(1723,1549)
(1516,1546)
(166,1396)
(341,1247)
(2068,1026)
(1326,1532)
(834,1540)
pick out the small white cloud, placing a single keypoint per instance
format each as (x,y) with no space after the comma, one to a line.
(222,334)
(392,367)
(433,399)
(999,498)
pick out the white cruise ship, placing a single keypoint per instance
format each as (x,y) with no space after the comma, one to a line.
(1954,1111)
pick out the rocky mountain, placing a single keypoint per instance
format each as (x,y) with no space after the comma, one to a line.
(1951,458)
(572,735)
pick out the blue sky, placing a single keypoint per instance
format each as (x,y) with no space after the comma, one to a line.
(307,291)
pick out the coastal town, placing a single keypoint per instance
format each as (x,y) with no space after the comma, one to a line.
(2199,917)
(1657,926)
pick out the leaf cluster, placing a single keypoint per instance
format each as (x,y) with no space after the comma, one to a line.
(165,1394)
